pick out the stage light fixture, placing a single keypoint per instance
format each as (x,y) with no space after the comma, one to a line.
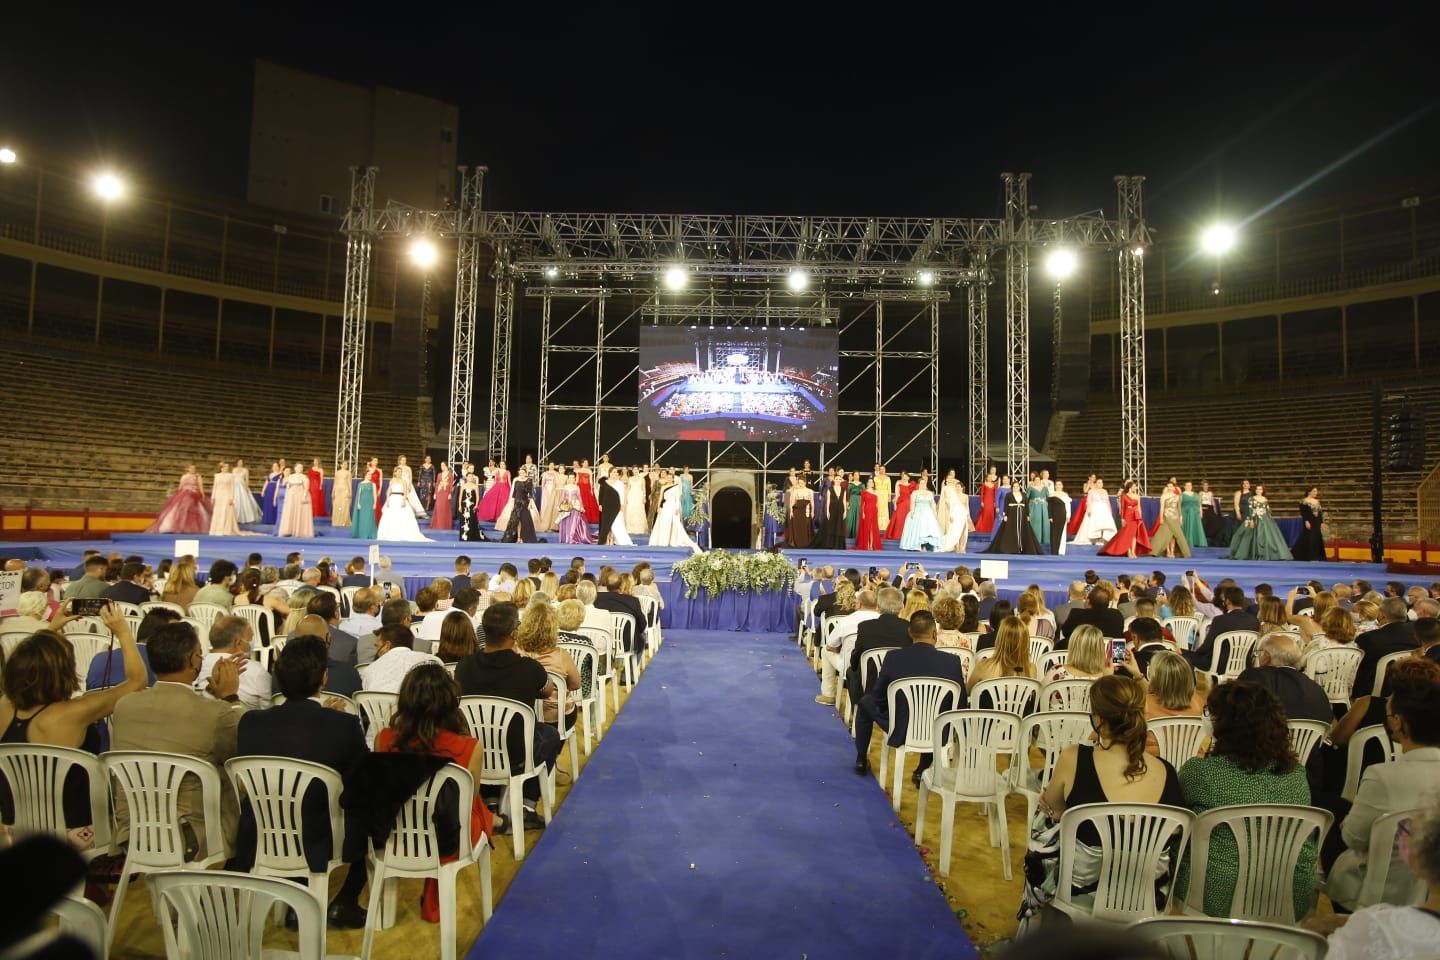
(551,272)
(7,155)
(108,186)
(1218,239)
(926,278)
(1061,263)
(798,280)
(676,278)
(1138,251)
(423,253)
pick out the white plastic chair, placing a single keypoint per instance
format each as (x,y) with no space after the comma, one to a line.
(85,626)
(150,783)
(1040,648)
(1134,841)
(87,647)
(974,639)
(604,642)
(1355,755)
(1334,669)
(276,788)
(965,771)
(218,913)
(1383,665)
(490,719)
(966,658)
(83,920)
(161,605)
(348,595)
(202,630)
(1235,645)
(622,647)
(1214,938)
(651,608)
(1185,630)
(377,707)
(1179,738)
(1066,695)
(1377,867)
(413,850)
(1050,732)
(1269,838)
(925,699)
(567,731)
(207,613)
(1305,736)
(1053,661)
(1017,695)
(260,621)
(870,663)
(36,776)
(9,640)
(585,699)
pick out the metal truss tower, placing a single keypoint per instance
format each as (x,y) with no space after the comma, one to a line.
(359,230)
(977,317)
(499,427)
(1132,238)
(467,282)
(1017,324)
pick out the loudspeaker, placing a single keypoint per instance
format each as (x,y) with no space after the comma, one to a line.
(1405,439)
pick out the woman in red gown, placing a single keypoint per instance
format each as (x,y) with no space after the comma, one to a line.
(587,493)
(441,516)
(496,498)
(1132,540)
(903,489)
(317,489)
(986,521)
(372,473)
(867,533)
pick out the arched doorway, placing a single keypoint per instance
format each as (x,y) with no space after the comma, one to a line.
(731,515)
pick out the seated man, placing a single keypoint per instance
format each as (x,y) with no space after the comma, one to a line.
(394,613)
(919,658)
(172,718)
(428,616)
(396,657)
(884,630)
(1234,618)
(230,638)
(835,657)
(1098,613)
(364,619)
(613,601)
(302,729)
(1395,634)
(327,608)
(344,678)
(131,588)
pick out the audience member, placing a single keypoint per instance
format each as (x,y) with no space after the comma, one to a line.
(614,601)
(364,616)
(461,578)
(842,636)
(949,620)
(884,630)
(218,585)
(131,586)
(1011,657)
(90,584)
(537,638)
(343,646)
(230,638)
(355,575)
(180,585)
(645,584)
(1089,656)
(32,613)
(1098,613)
(396,657)
(1395,634)
(457,637)
(1074,600)
(1235,617)
(1173,688)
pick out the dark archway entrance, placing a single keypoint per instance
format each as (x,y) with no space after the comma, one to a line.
(731,514)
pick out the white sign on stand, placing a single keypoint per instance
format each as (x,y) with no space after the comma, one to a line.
(996,570)
(374,560)
(9,593)
(185,548)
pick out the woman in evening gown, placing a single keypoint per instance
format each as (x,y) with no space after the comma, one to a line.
(502,522)
(497,496)
(1191,523)
(1013,535)
(340,495)
(1059,504)
(316,476)
(1132,539)
(573,526)
(584,478)
(469,502)
(635,522)
(687,493)
(297,519)
(669,529)
(867,533)
(281,491)
(376,478)
(988,492)
(222,514)
(441,496)
(246,509)
(953,510)
(549,498)
(425,487)
(800,532)
(1038,509)
(1099,523)
(363,525)
(922,526)
(903,488)
(852,512)
(1311,545)
(187,510)
(1259,537)
(397,520)
(267,496)
(882,497)
(1077,509)
(1210,519)
(832,528)
(619,532)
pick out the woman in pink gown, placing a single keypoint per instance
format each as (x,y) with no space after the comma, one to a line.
(574,528)
(441,516)
(496,497)
(187,510)
(317,489)
(222,516)
(297,520)
(903,489)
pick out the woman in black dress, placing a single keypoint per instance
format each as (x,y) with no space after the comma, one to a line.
(1014,535)
(1210,516)
(469,500)
(1311,545)
(832,530)
(521,528)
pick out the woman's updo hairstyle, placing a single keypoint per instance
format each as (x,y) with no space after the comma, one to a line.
(1118,702)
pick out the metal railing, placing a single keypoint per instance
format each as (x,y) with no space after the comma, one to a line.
(1427,507)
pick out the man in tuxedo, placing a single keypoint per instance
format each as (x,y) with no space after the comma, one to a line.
(1235,617)
(918,658)
(886,630)
(615,602)
(302,728)
(1098,613)
(1395,633)
(610,507)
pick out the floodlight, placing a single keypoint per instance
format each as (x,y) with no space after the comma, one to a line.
(1218,239)
(1138,251)
(108,186)
(551,272)
(7,155)
(1061,263)
(423,253)
(797,280)
(926,278)
(676,278)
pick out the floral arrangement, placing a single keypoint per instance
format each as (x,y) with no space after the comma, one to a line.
(699,514)
(774,504)
(718,571)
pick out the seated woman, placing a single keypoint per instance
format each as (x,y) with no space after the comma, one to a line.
(1250,761)
(1089,656)
(457,637)
(39,706)
(1335,628)
(1012,655)
(1027,608)
(1173,688)
(972,622)
(949,623)
(536,638)
(915,601)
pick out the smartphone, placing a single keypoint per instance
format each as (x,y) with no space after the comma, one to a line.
(1302,591)
(803,563)
(873,572)
(1117,651)
(87,607)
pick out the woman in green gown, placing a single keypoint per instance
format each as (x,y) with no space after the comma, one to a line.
(1036,497)
(1190,517)
(1259,537)
(852,514)
(363,524)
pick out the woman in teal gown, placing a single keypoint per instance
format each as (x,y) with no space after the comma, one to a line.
(1190,517)
(852,515)
(687,495)
(363,522)
(1259,537)
(1036,496)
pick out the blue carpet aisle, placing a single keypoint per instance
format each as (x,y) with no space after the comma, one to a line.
(719,818)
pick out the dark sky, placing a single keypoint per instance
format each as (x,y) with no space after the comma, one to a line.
(750,111)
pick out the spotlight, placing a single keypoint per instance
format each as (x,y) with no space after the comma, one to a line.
(926,278)
(798,280)
(1218,239)
(423,254)
(1061,263)
(1138,251)
(676,278)
(551,272)
(108,186)
(7,155)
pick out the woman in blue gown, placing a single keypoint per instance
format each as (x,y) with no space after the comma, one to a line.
(1259,537)
(922,525)
(268,514)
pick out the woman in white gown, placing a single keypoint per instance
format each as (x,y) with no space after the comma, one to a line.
(634,500)
(1098,524)
(247,508)
(397,519)
(669,529)
(620,528)
(411,496)
(955,510)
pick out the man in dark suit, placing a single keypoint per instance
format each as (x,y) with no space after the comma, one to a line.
(615,602)
(461,579)
(1277,670)
(355,575)
(302,729)
(1395,633)
(327,608)
(987,599)
(918,658)
(1098,613)
(886,630)
(1074,600)
(129,589)
(1235,617)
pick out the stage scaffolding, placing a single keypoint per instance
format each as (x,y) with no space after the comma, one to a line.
(880,280)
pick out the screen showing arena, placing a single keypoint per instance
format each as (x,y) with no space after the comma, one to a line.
(741,383)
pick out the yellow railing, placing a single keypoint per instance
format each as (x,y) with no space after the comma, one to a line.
(1427,507)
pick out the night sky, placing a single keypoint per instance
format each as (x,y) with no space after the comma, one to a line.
(751,112)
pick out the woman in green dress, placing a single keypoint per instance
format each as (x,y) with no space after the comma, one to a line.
(1036,497)
(1250,761)
(852,514)
(1259,537)
(363,523)
(1190,517)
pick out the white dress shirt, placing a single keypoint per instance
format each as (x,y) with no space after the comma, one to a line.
(255,686)
(388,671)
(360,624)
(847,626)
(427,630)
